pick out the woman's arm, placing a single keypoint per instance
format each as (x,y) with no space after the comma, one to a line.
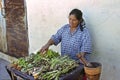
(81,56)
(46,46)
(55,39)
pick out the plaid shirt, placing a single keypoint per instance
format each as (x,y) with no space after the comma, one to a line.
(73,43)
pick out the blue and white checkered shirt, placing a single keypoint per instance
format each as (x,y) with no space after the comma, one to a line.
(73,43)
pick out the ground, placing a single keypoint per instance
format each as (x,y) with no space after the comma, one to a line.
(3,73)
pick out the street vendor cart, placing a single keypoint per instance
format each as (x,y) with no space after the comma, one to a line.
(76,74)
(49,66)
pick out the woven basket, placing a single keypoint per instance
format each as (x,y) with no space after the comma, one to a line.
(93,73)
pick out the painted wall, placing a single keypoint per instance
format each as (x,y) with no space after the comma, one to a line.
(102,18)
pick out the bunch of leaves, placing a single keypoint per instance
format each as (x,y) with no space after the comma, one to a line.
(48,66)
(58,66)
(36,59)
(50,54)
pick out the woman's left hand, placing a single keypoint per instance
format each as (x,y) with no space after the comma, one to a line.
(89,64)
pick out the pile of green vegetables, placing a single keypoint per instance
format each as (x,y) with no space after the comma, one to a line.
(48,66)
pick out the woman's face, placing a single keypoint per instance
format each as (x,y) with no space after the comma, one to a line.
(73,21)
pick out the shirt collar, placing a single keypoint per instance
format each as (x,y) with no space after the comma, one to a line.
(78,28)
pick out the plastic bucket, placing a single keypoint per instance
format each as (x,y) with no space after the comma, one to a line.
(93,73)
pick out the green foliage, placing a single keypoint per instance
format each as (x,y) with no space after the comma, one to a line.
(49,65)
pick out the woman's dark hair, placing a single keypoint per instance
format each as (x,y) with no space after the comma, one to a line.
(78,14)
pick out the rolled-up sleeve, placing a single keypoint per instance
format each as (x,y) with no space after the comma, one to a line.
(86,42)
(57,37)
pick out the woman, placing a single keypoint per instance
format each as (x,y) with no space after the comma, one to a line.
(74,37)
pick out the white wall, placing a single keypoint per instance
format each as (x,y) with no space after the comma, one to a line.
(102,18)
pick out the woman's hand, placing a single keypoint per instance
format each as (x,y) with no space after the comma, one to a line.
(44,48)
(89,64)
(83,60)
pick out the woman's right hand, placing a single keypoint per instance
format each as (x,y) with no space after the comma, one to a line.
(44,48)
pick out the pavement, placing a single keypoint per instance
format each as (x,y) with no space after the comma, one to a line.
(3,73)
